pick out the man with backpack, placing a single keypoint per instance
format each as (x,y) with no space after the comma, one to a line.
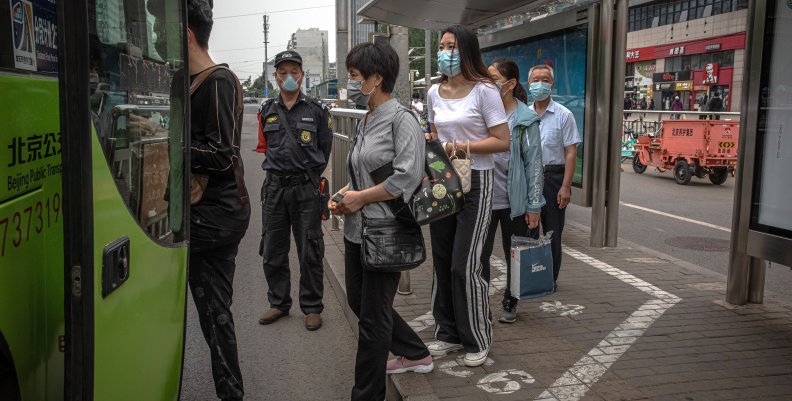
(220,210)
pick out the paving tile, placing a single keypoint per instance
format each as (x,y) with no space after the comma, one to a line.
(689,345)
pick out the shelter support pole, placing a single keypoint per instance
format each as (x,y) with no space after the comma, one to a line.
(603,93)
(401,44)
(427,66)
(615,133)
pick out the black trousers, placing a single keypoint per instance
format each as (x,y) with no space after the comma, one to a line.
(460,296)
(211,277)
(509,227)
(552,216)
(381,329)
(292,208)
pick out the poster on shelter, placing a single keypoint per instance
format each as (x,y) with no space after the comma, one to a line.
(22,34)
(45,26)
(565,51)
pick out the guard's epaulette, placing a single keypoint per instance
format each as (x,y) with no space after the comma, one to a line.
(264,103)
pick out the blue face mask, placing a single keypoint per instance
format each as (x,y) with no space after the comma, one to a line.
(290,84)
(448,62)
(540,90)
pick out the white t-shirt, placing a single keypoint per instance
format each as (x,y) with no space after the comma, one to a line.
(468,118)
(418,105)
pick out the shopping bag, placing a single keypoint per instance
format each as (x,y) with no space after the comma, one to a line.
(531,267)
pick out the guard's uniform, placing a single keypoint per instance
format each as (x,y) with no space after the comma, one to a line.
(290,198)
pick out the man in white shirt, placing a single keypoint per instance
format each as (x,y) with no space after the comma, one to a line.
(417,106)
(559,152)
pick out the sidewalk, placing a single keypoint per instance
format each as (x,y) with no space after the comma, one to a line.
(626,323)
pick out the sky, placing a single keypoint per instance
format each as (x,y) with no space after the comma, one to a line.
(239,40)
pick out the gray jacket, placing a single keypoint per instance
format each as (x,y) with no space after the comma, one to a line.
(390,133)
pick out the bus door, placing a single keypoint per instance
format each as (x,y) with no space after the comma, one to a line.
(123,107)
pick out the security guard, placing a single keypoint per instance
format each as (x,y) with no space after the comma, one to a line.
(298,138)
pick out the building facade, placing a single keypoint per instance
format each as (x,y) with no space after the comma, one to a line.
(691,49)
(312,46)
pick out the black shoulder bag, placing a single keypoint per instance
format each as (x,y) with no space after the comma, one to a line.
(388,245)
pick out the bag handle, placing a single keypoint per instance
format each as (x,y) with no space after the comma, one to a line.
(455,150)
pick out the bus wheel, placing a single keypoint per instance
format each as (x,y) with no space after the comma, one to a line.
(718,175)
(682,172)
(638,167)
(9,386)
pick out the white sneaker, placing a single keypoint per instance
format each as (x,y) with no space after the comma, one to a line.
(473,359)
(442,348)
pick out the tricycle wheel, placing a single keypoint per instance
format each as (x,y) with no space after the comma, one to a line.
(638,167)
(718,175)
(682,172)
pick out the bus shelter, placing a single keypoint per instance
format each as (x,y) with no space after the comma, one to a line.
(762,217)
(583,40)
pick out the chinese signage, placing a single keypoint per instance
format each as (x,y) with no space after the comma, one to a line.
(731,42)
(676,51)
(684,85)
(633,55)
(34,35)
(671,76)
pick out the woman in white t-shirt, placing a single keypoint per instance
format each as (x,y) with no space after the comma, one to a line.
(465,107)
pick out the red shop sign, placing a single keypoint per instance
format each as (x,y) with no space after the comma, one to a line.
(731,42)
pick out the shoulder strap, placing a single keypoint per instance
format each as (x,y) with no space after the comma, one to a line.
(199,80)
(239,175)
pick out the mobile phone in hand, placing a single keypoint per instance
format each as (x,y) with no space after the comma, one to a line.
(337,197)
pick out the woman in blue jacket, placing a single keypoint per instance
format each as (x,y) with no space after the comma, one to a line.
(519,176)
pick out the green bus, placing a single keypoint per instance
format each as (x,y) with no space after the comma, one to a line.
(93,250)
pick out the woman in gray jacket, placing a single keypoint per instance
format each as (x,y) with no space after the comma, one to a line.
(390,133)
(519,177)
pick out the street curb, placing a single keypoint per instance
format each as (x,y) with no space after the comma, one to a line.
(401,387)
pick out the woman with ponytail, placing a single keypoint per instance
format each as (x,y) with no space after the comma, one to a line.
(517,199)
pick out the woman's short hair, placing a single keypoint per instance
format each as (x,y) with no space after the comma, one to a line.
(375,58)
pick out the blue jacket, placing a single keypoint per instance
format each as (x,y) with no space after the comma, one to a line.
(526,171)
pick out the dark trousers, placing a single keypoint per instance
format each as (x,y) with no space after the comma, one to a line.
(552,216)
(509,227)
(460,299)
(381,329)
(292,208)
(211,278)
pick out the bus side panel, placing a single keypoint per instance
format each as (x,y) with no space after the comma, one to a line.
(31,233)
(139,327)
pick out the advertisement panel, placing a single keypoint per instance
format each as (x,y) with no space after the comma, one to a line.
(565,51)
(34,34)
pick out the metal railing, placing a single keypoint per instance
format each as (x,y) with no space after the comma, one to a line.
(345,122)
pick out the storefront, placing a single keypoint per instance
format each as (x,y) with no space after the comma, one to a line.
(669,85)
(695,71)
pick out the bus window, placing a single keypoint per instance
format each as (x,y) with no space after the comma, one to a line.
(137,108)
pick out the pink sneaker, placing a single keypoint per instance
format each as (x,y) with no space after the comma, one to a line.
(402,364)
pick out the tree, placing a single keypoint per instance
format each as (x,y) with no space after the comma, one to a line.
(257,88)
(246,86)
(416,41)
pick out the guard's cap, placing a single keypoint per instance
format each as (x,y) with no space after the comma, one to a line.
(288,55)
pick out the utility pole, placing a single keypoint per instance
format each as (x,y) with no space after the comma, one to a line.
(266,57)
